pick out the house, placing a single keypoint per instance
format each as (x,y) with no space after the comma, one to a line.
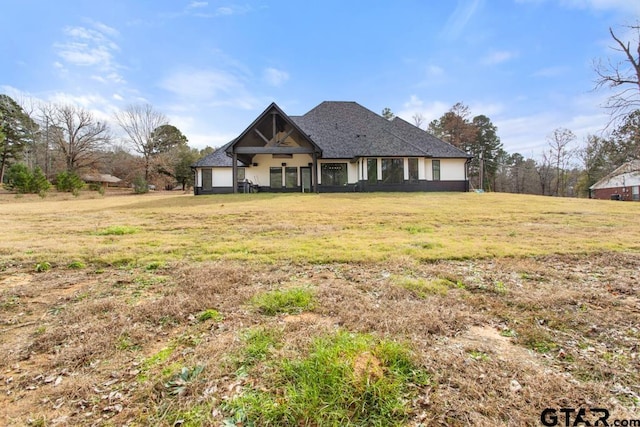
(335,147)
(621,184)
(102,179)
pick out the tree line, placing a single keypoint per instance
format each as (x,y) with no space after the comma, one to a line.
(564,167)
(55,142)
(41,142)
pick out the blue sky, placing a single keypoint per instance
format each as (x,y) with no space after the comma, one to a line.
(213,66)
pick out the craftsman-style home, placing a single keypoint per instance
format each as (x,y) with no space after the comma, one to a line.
(335,147)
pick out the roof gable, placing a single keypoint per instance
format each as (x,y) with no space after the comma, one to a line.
(624,176)
(272,131)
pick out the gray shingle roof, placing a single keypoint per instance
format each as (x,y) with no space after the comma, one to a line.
(218,158)
(345,130)
(626,175)
(348,130)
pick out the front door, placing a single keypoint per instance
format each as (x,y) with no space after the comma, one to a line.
(305,177)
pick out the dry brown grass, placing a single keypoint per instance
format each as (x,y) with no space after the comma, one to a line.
(516,334)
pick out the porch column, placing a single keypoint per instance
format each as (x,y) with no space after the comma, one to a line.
(314,173)
(234,177)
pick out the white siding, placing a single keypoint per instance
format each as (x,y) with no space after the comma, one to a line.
(222,177)
(452,169)
(422,169)
(259,175)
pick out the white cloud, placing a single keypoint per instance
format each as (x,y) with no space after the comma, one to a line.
(104,28)
(234,10)
(434,71)
(199,136)
(195,7)
(527,134)
(429,112)
(434,110)
(275,77)
(84,55)
(92,48)
(213,87)
(490,109)
(498,57)
(460,17)
(624,6)
(200,84)
(224,11)
(197,4)
(414,103)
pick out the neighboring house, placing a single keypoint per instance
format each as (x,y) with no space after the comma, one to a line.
(621,184)
(335,147)
(102,179)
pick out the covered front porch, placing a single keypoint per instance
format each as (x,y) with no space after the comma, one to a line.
(274,146)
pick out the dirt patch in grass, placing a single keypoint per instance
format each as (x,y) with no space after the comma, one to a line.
(512,337)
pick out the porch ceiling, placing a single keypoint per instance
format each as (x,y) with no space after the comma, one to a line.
(273,132)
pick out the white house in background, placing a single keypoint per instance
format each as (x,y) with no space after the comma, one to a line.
(335,147)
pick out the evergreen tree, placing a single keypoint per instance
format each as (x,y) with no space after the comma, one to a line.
(16,126)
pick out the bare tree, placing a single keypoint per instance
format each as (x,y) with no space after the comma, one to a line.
(560,156)
(544,170)
(418,119)
(78,136)
(139,123)
(621,75)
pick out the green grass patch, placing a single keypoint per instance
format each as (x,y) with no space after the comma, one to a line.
(347,380)
(41,267)
(76,265)
(258,343)
(125,343)
(536,339)
(423,287)
(117,230)
(479,355)
(195,416)
(209,314)
(288,301)
(153,361)
(154,265)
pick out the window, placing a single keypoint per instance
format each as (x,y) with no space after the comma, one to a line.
(333,173)
(291,177)
(392,171)
(413,170)
(372,171)
(241,174)
(207,179)
(275,177)
(435,165)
